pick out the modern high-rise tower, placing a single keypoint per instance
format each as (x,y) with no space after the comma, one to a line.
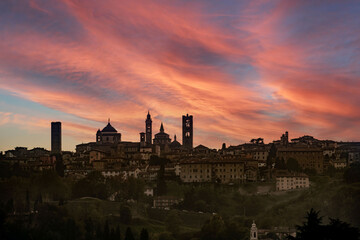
(56,137)
(187,130)
(148,129)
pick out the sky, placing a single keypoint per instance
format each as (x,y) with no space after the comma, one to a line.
(243,69)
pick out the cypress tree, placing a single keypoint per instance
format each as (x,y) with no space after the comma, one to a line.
(129,235)
(144,235)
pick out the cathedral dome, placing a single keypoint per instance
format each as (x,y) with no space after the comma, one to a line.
(175,144)
(109,128)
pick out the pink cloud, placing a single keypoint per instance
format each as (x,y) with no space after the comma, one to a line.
(128,57)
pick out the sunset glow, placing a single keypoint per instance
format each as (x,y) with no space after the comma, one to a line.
(243,69)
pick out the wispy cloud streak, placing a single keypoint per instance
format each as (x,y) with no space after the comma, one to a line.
(243,69)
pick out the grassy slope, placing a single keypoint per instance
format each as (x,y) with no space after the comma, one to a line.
(332,197)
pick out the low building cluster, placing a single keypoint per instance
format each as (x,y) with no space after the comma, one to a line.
(251,161)
(288,181)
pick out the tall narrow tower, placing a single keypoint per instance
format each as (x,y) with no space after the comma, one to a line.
(187,129)
(253,232)
(56,137)
(148,129)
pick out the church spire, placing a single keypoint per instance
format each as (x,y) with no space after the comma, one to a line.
(174,137)
(161,128)
(148,115)
(108,120)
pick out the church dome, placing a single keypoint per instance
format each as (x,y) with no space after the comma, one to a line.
(175,144)
(109,128)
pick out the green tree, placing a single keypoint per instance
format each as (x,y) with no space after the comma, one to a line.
(144,235)
(293,165)
(71,231)
(352,174)
(135,188)
(128,234)
(117,233)
(331,171)
(280,163)
(125,215)
(340,230)
(27,201)
(335,230)
(166,236)
(93,185)
(311,229)
(99,233)
(161,184)
(89,229)
(172,223)
(59,165)
(106,232)
(272,155)
(213,229)
(9,207)
(272,235)
(234,231)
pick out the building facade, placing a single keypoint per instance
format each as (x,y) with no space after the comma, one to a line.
(288,181)
(307,157)
(213,170)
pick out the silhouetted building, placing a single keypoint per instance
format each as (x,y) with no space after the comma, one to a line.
(310,140)
(56,137)
(142,139)
(148,129)
(201,149)
(162,139)
(187,129)
(285,139)
(175,145)
(108,135)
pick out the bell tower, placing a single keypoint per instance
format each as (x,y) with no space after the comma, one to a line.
(148,129)
(253,232)
(187,130)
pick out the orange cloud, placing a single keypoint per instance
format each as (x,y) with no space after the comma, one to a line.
(255,71)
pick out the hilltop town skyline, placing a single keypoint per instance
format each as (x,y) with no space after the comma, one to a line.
(176,120)
(153,131)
